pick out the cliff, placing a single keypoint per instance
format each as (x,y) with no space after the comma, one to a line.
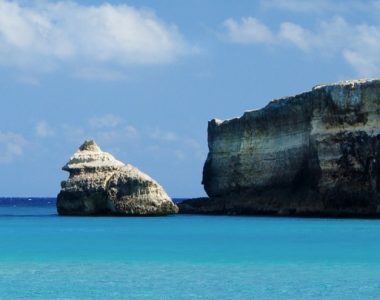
(316,153)
(101,185)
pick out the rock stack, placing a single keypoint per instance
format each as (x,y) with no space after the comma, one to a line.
(101,185)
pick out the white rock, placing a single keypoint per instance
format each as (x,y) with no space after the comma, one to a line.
(99,184)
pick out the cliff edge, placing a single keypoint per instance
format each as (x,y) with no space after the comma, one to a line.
(316,153)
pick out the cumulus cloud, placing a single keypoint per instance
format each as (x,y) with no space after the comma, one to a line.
(44,35)
(11,146)
(319,7)
(357,44)
(305,6)
(43,129)
(248,30)
(295,34)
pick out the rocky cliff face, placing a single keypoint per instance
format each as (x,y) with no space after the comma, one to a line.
(101,185)
(316,153)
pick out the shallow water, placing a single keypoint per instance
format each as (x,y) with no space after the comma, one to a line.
(44,256)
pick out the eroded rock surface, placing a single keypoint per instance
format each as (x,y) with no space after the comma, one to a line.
(317,153)
(101,185)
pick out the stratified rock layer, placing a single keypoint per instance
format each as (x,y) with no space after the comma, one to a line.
(317,153)
(101,185)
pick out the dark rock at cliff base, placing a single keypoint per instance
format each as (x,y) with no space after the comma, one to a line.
(101,185)
(316,153)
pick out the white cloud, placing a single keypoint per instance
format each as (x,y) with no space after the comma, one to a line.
(42,35)
(297,5)
(11,146)
(43,129)
(357,44)
(252,31)
(105,121)
(296,35)
(248,30)
(320,6)
(364,65)
(363,53)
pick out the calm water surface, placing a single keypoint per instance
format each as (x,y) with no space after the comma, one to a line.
(44,256)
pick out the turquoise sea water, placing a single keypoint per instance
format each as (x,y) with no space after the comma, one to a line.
(44,256)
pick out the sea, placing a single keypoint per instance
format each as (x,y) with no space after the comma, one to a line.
(46,256)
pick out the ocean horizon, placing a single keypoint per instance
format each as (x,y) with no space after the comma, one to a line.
(44,201)
(46,256)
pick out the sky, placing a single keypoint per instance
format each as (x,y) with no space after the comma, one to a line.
(143,78)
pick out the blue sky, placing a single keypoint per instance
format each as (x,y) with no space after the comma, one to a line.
(144,77)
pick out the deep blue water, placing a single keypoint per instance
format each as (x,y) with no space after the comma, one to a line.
(44,256)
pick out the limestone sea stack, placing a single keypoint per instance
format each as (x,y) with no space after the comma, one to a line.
(101,185)
(316,153)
